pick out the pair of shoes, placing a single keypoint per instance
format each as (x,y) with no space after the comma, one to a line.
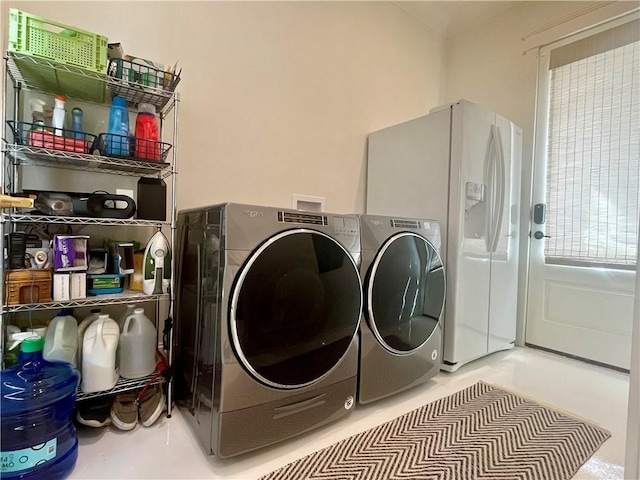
(128,408)
(94,412)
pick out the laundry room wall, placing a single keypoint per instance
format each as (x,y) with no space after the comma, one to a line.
(277,98)
(487,64)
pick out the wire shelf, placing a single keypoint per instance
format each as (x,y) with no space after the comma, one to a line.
(55,78)
(44,157)
(128,296)
(26,218)
(122,385)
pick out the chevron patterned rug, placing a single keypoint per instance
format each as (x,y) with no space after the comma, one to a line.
(481,432)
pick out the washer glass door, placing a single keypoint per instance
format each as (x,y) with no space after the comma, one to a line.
(405,292)
(295,308)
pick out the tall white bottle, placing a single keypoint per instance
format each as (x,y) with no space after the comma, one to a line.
(59,114)
(138,343)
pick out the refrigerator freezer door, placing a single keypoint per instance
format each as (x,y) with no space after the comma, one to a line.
(408,169)
(504,258)
(467,263)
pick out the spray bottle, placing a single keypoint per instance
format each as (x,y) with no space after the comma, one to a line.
(37,113)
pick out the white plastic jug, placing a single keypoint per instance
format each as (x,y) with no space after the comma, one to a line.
(99,346)
(138,343)
(61,341)
(82,328)
(129,311)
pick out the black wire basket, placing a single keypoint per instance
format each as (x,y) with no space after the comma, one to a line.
(129,147)
(34,135)
(143,74)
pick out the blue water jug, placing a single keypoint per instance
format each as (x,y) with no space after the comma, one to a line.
(117,141)
(38,436)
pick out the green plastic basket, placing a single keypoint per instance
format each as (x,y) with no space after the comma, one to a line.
(36,36)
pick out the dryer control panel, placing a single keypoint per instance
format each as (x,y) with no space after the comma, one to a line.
(345,225)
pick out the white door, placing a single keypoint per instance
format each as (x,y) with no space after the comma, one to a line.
(582,258)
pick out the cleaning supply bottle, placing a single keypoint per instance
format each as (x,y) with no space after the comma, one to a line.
(37,113)
(138,343)
(118,136)
(147,144)
(38,438)
(61,342)
(99,370)
(128,311)
(82,328)
(59,114)
(76,116)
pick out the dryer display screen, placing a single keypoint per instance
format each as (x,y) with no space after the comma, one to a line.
(295,308)
(405,292)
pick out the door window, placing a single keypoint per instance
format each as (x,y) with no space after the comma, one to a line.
(295,308)
(405,292)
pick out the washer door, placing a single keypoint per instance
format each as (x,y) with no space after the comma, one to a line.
(405,292)
(295,308)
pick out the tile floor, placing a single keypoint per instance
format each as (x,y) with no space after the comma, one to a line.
(168,450)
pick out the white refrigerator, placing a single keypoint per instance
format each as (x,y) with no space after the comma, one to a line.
(460,165)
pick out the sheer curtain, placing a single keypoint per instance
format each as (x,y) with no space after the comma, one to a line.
(593,150)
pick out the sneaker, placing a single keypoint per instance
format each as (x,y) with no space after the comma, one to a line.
(94,412)
(124,411)
(151,405)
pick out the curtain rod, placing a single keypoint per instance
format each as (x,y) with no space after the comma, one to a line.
(566,18)
(538,47)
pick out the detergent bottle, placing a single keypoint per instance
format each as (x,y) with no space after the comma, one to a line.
(118,137)
(147,133)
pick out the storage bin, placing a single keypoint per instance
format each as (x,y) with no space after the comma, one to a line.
(33,135)
(60,43)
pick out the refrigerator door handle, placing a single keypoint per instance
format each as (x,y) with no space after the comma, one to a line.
(489,169)
(500,174)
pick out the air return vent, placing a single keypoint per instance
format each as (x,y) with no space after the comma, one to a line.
(306,218)
(405,224)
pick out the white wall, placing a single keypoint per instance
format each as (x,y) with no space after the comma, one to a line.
(276,97)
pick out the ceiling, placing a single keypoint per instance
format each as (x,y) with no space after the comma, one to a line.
(448,18)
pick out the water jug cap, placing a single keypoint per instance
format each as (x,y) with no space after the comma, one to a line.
(138,311)
(147,108)
(61,98)
(33,344)
(119,101)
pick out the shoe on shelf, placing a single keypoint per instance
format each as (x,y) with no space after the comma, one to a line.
(124,411)
(151,405)
(94,412)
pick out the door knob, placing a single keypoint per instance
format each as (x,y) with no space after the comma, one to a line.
(540,235)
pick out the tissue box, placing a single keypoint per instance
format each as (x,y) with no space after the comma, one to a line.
(70,253)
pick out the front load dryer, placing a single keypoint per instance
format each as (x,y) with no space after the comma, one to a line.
(268,309)
(404,292)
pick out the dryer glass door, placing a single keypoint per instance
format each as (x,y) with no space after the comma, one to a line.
(295,308)
(405,292)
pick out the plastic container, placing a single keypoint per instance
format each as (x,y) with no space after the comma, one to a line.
(138,343)
(147,145)
(104,283)
(122,318)
(59,113)
(39,37)
(76,125)
(118,130)
(82,328)
(37,113)
(61,342)
(38,438)
(99,346)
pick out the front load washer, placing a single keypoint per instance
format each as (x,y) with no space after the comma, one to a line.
(268,308)
(404,292)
